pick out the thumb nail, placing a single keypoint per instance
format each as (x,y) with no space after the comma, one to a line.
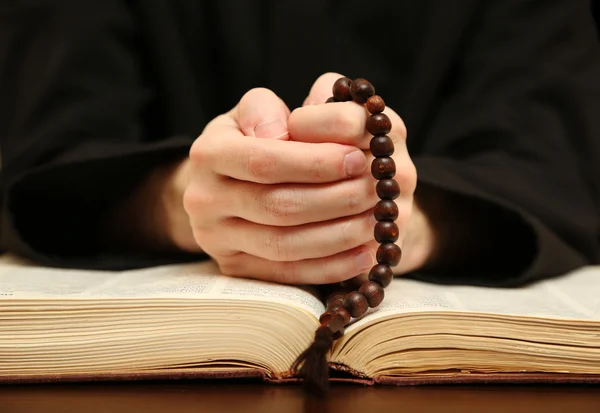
(273,129)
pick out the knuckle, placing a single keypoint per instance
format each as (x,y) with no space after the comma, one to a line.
(288,272)
(318,167)
(230,267)
(208,147)
(355,199)
(199,151)
(348,234)
(197,200)
(200,237)
(259,163)
(278,246)
(208,238)
(281,204)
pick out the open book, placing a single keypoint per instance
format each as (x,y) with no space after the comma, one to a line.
(190,321)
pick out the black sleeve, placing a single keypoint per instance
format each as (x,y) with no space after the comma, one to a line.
(516,142)
(72,143)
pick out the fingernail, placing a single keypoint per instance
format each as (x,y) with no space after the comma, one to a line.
(273,129)
(363,261)
(355,163)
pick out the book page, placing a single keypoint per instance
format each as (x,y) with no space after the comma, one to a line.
(574,296)
(20,282)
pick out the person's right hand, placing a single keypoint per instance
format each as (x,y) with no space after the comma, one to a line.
(265,207)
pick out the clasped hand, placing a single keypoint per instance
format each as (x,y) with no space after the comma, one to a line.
(288,197)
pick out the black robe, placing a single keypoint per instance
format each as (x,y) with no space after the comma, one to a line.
(501,100)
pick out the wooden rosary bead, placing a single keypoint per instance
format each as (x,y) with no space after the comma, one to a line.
(344,314)
(330,100)
(341,90)
(373,292)
(332,308)
(386,210)
(356,304)
(351,284)
(379,124)
(336,326)
(313,362)
(389,254)
(336,297)
(383,168)
(361,90)
(375,104)
(326,317)
(386,231)
(381,146)
(387,189)
(382,274)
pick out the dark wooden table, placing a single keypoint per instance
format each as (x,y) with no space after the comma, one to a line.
(199,397)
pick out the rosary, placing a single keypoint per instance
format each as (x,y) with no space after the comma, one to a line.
(344,305)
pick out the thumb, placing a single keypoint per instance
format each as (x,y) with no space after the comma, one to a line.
(261,113)
(322,89)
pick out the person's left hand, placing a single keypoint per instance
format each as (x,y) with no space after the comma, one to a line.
(344,123)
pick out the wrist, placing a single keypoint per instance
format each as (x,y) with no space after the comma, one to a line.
(152,217)
(178,230)
(456,227)
(419,244)
(435,221)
